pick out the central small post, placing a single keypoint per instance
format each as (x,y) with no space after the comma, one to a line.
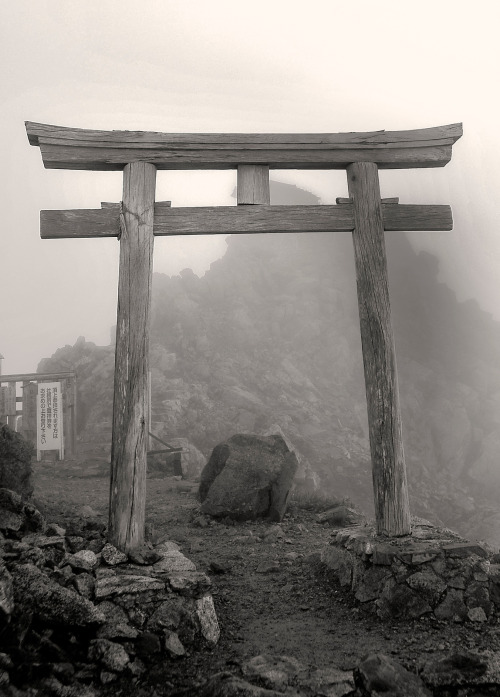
(392,510)
(127,502)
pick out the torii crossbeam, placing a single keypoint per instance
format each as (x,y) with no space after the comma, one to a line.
(138,219)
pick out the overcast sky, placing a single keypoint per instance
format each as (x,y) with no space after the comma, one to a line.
(263,66)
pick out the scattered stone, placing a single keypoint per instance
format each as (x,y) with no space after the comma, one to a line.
(84,584)
(36,593)
(88,512)
(6,593)
(88,556)
(340,516)
(217,567)
(477,614)
(172,562)
(458,669)
(193,584)
(113,556)
(116,585)
(378,674)
(227,685)
(464,549)
(54,530)
(200,522)
(144,556)
(112,655)
(173,644)
(276,672)
(331,682)
(452,607)
(208,619)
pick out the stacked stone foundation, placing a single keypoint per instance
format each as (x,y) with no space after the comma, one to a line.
(433,572)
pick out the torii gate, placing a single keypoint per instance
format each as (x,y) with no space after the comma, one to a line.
(138,218)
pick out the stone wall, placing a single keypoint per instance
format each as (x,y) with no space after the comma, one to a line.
(433,571)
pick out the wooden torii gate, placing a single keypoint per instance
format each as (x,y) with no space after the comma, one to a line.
(137,219)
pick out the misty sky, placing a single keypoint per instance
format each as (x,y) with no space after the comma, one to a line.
(273,66)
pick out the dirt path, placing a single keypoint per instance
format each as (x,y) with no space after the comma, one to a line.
(269,594)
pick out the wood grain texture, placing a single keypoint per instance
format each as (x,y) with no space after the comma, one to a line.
(225,220)
(392,511)
(69,148)
(253,185)
(131,385)
(37,131)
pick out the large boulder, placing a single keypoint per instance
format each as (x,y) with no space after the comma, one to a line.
(248,477)
(15,462)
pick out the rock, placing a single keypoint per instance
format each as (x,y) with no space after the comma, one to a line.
(85,585)
(400,602)
(476,614)
(208,619)
(276,672)
(464,549)
(15,462)
(173,644)
(458,669)
(340,516)
(378,674)
(115,585)
(144,556)
(217,567)
(36,593)
(248,477)
(227,685)
(87,512)
(6,594)
(427,584)
(54,530)
(16,516)
(110,630)
(192,584)
(173,562)
(452,607)
(88,556)
(112,655)
(113,556)
(331,682)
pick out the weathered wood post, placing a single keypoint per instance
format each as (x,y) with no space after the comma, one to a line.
(127,501)
(392,510)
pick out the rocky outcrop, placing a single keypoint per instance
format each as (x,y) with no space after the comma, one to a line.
(248,477)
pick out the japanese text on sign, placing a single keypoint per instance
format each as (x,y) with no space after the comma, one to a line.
(49,416)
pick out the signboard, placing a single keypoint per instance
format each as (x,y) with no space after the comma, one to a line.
(49,417)
(8,400)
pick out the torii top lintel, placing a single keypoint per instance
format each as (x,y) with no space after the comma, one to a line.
(76,148)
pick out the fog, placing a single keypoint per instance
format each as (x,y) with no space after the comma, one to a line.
(321,66)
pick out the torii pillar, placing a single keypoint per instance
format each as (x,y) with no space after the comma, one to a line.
(138,218)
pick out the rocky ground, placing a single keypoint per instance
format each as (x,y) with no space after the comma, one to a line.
(272,597)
